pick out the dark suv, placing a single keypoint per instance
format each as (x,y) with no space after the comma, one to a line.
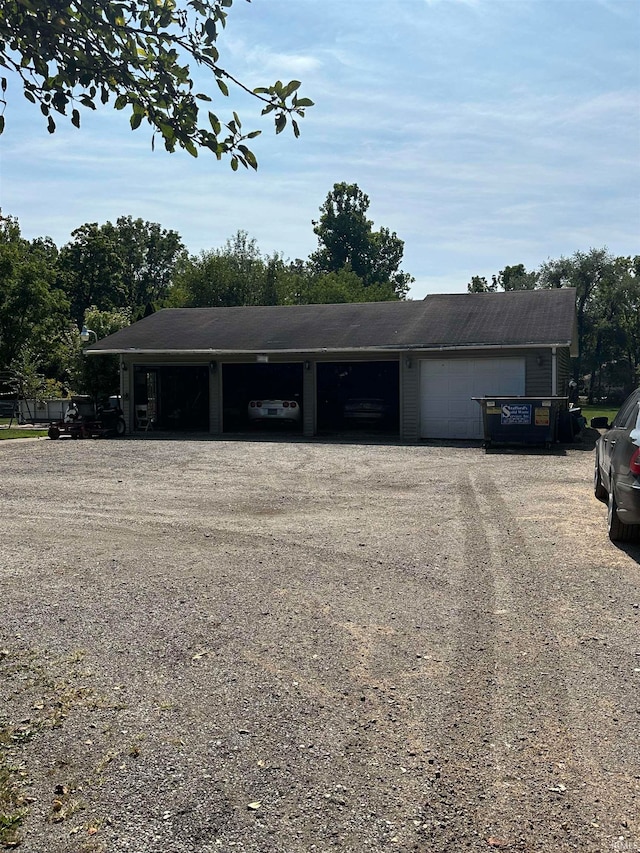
(616,478)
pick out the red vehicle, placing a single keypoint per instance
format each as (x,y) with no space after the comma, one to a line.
(83,420)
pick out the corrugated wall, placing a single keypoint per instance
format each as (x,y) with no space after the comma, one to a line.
(538,372)
(409,399)
(564,371)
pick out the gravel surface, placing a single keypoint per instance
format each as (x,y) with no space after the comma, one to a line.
(283,647)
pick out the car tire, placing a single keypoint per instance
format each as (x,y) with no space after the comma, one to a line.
(121,427)
(598,489)
(618,530)
(53,433)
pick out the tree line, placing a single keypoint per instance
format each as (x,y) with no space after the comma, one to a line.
(110,275)
(607,312)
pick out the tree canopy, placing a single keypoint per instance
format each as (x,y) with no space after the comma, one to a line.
(32,310)
(233,275)
(346,240)
(127,265)
(75,54)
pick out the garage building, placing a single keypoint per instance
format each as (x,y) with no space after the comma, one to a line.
(413,366)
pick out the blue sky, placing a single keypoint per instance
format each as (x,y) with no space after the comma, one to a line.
(485,133)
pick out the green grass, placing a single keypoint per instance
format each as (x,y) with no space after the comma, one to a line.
(18,432)
(608,412)
(53,687)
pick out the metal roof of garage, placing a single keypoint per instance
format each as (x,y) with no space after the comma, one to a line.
(526,318)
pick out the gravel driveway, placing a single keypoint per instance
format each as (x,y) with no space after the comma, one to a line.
(275,647)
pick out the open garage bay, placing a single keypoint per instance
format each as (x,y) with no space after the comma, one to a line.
(358,396)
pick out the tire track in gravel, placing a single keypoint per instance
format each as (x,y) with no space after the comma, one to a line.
(512,772)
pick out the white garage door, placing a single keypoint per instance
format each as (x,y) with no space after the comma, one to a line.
(447,386)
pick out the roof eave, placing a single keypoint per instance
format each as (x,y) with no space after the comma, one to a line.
(414,347)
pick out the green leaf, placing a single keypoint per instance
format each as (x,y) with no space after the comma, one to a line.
(135,121)
(167,132)
(75,118)
(1,124)
(215,124)
(281,122)
(234,164)
(223,87)
(291,87)
(51,125)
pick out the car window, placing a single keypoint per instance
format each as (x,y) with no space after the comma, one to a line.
(628,414)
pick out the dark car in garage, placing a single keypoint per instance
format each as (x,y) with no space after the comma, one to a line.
(358,410)
(616,478)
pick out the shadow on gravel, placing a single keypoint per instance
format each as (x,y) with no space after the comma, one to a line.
(269,438)
(631,549)
(526,450)
(587,441)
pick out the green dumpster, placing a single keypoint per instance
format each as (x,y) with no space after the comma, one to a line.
(521,420)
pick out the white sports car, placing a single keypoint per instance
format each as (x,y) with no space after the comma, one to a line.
(274,410)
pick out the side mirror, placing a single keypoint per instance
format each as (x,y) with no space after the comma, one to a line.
(599,423)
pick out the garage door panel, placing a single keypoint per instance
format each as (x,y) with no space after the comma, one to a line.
(459,428)
(447,386)
(458,409)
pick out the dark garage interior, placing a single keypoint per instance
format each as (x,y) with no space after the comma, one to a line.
(358,396)
(242,383)
(172,398)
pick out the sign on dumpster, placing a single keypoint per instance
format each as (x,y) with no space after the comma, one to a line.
(542,417)
(515,413)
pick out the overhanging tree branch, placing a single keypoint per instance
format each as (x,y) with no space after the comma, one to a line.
(69,54)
